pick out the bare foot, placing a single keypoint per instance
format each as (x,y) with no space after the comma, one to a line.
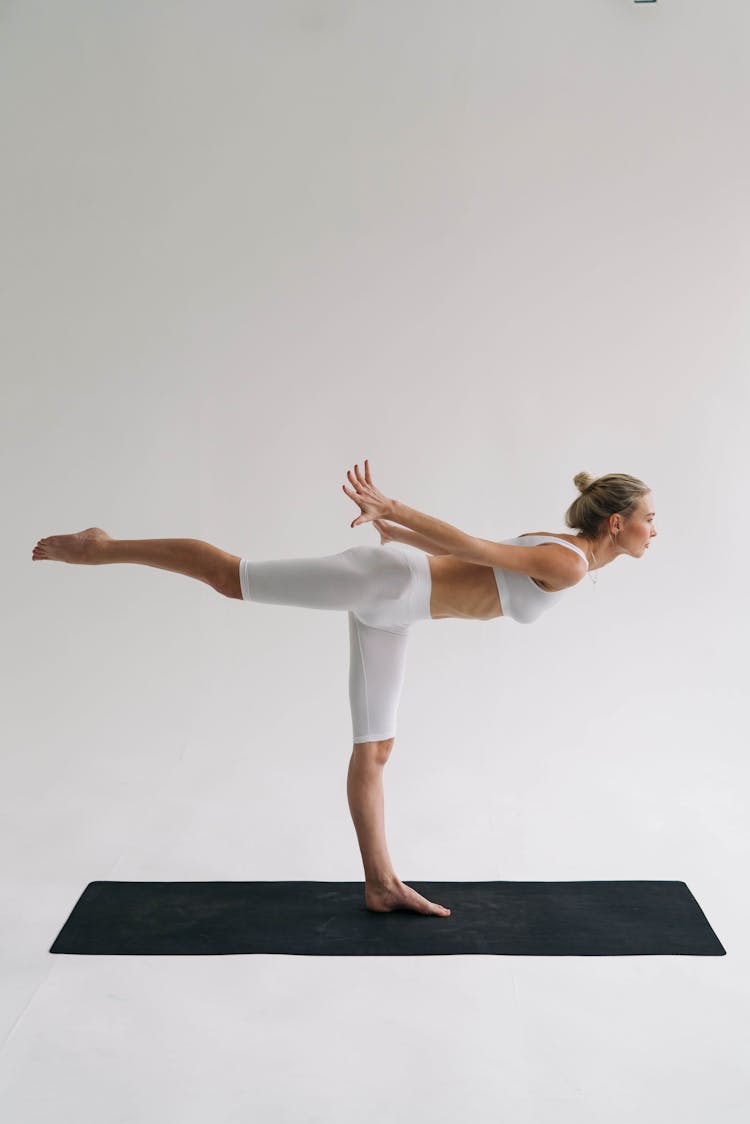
(396,895)
(81,548)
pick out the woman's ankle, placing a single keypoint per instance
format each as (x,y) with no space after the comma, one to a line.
(382,880)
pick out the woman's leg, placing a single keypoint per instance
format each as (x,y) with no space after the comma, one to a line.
(359,576)
(364,790)
(377,665)
(384,890)
(192,557)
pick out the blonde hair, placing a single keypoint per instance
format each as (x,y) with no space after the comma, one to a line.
(601,497)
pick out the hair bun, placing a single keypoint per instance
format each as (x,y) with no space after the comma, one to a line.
(583,480)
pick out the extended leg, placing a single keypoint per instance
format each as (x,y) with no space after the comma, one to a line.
(358,578)
(192,557)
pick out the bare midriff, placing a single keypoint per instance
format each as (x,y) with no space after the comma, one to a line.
(464,589)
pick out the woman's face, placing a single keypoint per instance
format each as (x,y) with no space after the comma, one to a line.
(638,530)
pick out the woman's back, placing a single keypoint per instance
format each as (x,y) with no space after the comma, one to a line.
(466,590)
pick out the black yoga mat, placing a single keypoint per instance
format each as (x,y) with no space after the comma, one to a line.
(627,918)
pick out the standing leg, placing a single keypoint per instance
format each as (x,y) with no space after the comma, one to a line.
(377,663)
(364,789)
(192,557)
(384,890)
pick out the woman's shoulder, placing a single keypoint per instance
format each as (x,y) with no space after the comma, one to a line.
(548,535)
(570,544)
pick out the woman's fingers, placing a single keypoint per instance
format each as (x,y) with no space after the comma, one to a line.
(357,499)
(363,485)
(358,477)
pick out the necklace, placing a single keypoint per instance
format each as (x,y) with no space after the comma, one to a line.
(593,579)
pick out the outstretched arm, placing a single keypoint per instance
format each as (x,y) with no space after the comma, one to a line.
(391,532)
(374,505)
(448,538)
(549,562)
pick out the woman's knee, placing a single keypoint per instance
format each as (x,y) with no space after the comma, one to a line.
(228,577)
(376,752)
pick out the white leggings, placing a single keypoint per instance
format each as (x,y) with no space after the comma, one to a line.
(385,589)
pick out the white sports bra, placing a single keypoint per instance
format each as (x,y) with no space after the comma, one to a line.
(521,598)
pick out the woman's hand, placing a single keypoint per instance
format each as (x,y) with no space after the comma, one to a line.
(372,503)
(385,530)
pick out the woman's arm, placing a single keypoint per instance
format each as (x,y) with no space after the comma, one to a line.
(548,562)
(448,538)
(391,532)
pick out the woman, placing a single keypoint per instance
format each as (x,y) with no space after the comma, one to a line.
(430,570)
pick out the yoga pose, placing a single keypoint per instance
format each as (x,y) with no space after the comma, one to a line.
(423,569)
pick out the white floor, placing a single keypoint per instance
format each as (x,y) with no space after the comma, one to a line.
(280,1038)
(318,1039)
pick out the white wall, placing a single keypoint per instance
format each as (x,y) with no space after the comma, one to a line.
(485,245)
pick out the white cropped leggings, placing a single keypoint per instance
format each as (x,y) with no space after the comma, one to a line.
(384,589)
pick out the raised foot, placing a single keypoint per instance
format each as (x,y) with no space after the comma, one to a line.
(385,899)
(81,548)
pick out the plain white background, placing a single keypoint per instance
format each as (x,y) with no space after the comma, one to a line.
(487,246)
